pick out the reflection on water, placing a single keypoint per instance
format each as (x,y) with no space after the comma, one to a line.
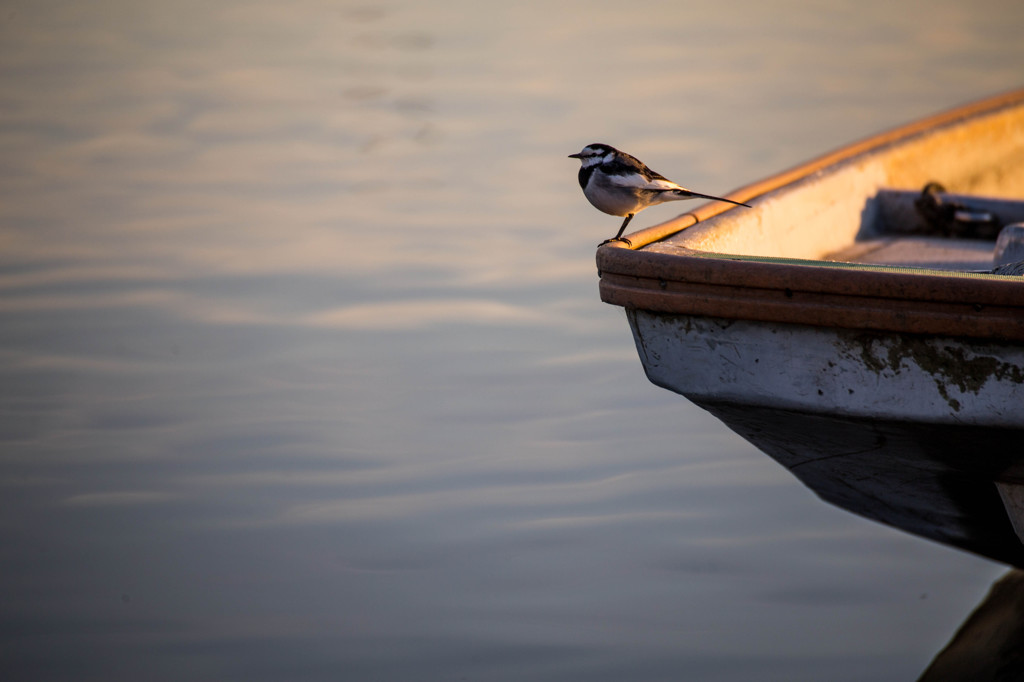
(989,645)
(303,372)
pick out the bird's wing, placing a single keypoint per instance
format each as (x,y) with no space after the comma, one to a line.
(643,181)
(629,171)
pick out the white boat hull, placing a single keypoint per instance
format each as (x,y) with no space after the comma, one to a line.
(839,372)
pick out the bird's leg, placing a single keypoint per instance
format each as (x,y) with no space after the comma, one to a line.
(618,237)
(623,228)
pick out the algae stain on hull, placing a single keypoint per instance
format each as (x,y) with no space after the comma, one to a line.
(948,365)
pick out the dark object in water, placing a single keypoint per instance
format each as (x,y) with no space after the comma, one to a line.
(990,644)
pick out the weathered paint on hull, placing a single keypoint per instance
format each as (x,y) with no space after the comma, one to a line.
(846,373)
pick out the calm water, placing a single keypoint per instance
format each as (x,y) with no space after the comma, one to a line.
(304,374)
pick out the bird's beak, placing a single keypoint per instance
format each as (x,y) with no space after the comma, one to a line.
(575,156)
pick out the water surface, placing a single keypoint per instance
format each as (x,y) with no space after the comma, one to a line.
(304,374)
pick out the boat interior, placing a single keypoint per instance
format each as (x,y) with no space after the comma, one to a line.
(886,205)
(939,231)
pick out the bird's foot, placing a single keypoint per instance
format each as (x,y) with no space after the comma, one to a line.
(617,239)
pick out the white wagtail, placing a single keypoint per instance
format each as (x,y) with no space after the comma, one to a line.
(619,184)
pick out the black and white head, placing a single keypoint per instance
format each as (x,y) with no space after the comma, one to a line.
(596,153)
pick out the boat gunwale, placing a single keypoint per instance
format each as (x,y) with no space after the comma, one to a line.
(781,290)
(989,308)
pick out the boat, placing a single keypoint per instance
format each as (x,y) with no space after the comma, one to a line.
(851,326)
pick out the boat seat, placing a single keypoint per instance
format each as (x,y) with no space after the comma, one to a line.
(920,252)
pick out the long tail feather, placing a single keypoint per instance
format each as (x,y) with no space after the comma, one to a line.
(697,195)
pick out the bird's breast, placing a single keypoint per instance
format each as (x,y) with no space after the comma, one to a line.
(611,198)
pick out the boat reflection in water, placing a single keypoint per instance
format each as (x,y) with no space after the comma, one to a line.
(956,486)
(989,644)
